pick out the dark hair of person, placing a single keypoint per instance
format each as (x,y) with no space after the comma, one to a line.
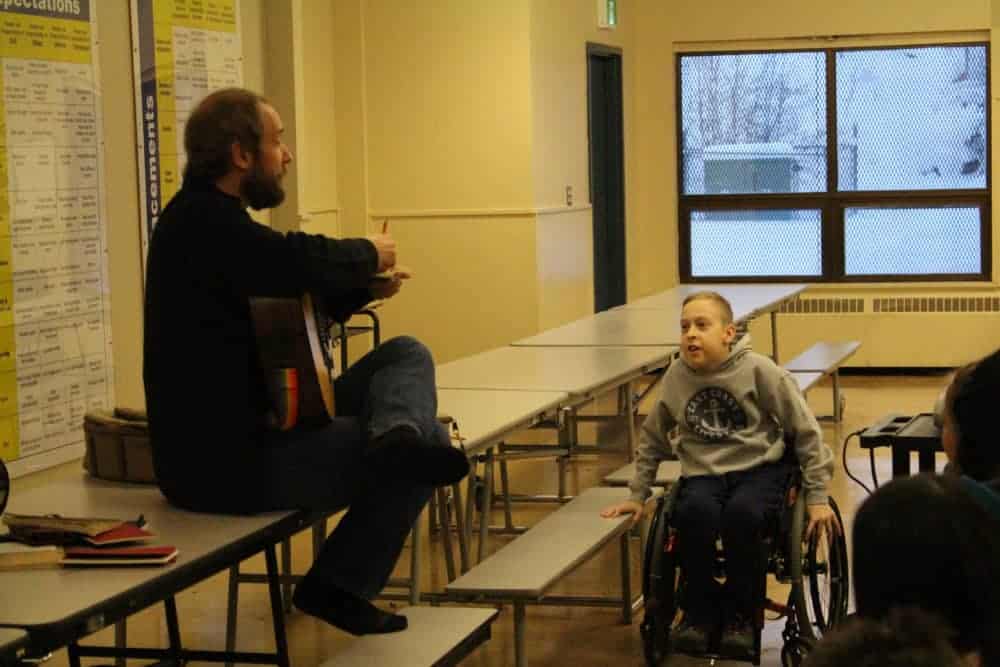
(907,637)
(971,402)
(924,542)
(725,309)
(224,117)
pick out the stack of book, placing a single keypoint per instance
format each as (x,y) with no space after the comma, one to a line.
(37,541)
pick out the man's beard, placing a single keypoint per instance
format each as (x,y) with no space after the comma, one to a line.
(261,190)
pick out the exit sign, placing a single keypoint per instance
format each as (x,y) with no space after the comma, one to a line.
(607,13)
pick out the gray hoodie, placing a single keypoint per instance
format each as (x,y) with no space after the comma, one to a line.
(733,418)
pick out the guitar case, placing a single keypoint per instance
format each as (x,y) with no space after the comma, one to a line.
(117,446)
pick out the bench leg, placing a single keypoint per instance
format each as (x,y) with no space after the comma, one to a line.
(231,606)
(626,543)
(432,513)
(484,516)
(508,519)
(470,502)
(319,537)
(73,654)
(463,546)
(630,423)
(286,568)
(837,405)
(121,640)
(519,657)
(415,563)
(277,617)
(445,523)
(173,629)
(567,440)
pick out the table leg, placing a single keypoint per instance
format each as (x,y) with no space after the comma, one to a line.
(900,461)
(926,459)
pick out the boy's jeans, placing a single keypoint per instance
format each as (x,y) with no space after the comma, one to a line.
(739,506)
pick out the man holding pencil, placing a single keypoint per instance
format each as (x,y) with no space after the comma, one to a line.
(206,393)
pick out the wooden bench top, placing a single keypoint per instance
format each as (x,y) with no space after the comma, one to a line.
(823,356)
(434,635)
(806,379)
(668,473)
(528,566)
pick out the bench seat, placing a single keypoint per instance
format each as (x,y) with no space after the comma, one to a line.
(806,379)
(668,473)
(434,636)
(525,569)
(823,357)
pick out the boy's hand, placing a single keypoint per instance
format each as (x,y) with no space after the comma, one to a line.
(822,519)
(627,507)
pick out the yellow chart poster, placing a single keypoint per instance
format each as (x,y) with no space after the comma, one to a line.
(55,330)
(184,49)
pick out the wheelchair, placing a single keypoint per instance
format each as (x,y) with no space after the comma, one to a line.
(816,571)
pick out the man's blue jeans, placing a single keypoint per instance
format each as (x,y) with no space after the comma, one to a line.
(325,468)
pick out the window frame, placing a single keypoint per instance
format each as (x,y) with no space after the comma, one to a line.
(832,203)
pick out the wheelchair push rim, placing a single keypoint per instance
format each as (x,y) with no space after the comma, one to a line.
(658,590)
(819,576)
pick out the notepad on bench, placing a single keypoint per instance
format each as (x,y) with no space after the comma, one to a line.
(144,555)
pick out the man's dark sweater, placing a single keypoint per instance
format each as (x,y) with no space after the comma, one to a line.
(205,390)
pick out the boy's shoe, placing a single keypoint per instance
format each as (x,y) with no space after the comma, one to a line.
(737,639)
(691,636)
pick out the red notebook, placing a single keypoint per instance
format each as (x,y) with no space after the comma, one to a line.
(144,555)
(126,532)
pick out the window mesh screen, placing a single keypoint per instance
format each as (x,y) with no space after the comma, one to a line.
(912,119)
(912,241)
(753,123)
(751,243)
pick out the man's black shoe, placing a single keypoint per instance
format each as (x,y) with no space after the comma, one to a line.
(402,453)
(345,610)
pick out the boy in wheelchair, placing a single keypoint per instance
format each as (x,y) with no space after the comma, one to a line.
(733,410)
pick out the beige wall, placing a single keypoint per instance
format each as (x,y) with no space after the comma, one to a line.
(448,152)
(560,153)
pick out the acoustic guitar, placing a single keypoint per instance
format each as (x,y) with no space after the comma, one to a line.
(293,344)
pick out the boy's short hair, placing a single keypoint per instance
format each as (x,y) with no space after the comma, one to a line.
(724,308)
(908,637)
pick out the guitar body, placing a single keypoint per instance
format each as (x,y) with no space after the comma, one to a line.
(290,336)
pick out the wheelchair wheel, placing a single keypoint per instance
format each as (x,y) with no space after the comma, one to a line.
(659,574)
(820,581)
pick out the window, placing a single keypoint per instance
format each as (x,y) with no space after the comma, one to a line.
(835,165)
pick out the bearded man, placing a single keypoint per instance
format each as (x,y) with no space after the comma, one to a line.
(214,449)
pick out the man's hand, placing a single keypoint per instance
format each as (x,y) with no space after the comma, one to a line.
(385,246)
(626,507)
(385,288)
(822,519)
